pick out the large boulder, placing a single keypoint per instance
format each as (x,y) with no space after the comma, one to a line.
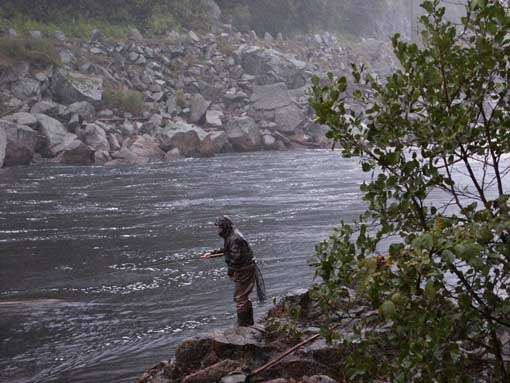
(271,66)
(46,107)
(26,88)
(212,143)
(183,136)
(84,109)
(76,153)
(270,97)
(56,137)
(3,144)
(71,87)
(95,137)
(199,106)
(289,118)
(22,118)
(140,150)
(21,143)
(243,134)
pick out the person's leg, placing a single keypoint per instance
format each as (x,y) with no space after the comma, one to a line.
(244,284)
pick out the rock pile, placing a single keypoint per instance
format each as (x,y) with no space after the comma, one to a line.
(199,94)
(227,355)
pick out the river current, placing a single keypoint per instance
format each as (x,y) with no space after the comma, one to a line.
(99,277)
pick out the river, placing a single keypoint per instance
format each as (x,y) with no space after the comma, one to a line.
(84,295)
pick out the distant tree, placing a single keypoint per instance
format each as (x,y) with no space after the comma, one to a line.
(438,126)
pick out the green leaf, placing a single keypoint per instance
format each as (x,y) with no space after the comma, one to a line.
(387,310)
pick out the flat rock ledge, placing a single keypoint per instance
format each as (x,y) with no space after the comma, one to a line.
(228,355)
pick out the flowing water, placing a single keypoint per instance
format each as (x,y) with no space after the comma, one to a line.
(99,277)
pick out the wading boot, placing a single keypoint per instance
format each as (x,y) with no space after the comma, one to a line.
(245,317)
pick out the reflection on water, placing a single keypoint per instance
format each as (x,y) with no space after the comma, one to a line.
(99,276)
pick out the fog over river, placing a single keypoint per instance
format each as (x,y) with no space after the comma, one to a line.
(84,296)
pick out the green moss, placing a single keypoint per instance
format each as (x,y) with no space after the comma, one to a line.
(124,99)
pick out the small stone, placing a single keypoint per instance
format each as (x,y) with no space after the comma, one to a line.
(135,35)
(11,33)
(193,36)
(36,35)
(59,36)
(268,36)
(97,35)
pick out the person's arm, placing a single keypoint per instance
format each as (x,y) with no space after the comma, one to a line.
(214,254)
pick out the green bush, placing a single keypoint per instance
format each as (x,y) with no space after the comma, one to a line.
(442,289)
(159,24)
(37,51)
(124,99)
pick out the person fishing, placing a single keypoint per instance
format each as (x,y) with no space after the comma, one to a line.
(241,268)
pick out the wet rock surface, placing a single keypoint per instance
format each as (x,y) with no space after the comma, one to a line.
(229,355)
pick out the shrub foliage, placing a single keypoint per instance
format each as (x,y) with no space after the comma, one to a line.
(438,129)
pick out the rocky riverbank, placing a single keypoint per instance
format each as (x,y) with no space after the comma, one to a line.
(228,355)
(143,100)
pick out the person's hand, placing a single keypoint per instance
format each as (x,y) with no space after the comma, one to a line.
(206,255)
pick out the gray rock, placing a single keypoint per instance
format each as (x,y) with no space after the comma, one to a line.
(36,35)
(114,142)
(243,134)
(214,373)
(289,118)
(253,36)
(11,33)
(26,88)
(133,56)
(74,123)
(135,35)
(97,35)
(59,36)
(21,118)
(268,36)
(269,141)
(212,143)
(321,379)
(76,153)
(21,144)
(49,108)
(172,155)
(141,150)
(95,136)
(171,104)
(269,97)
(3,145)
(270,66)
(214,118)
(57,138)
(234,379)
(194,37)
(70,87)
(199,106)
(318,39)
(279,36)
(84,109)
(66,56)
(128,128)
(185,137)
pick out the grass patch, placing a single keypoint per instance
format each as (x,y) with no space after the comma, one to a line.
(76,27)
(124,99)
(37,51)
